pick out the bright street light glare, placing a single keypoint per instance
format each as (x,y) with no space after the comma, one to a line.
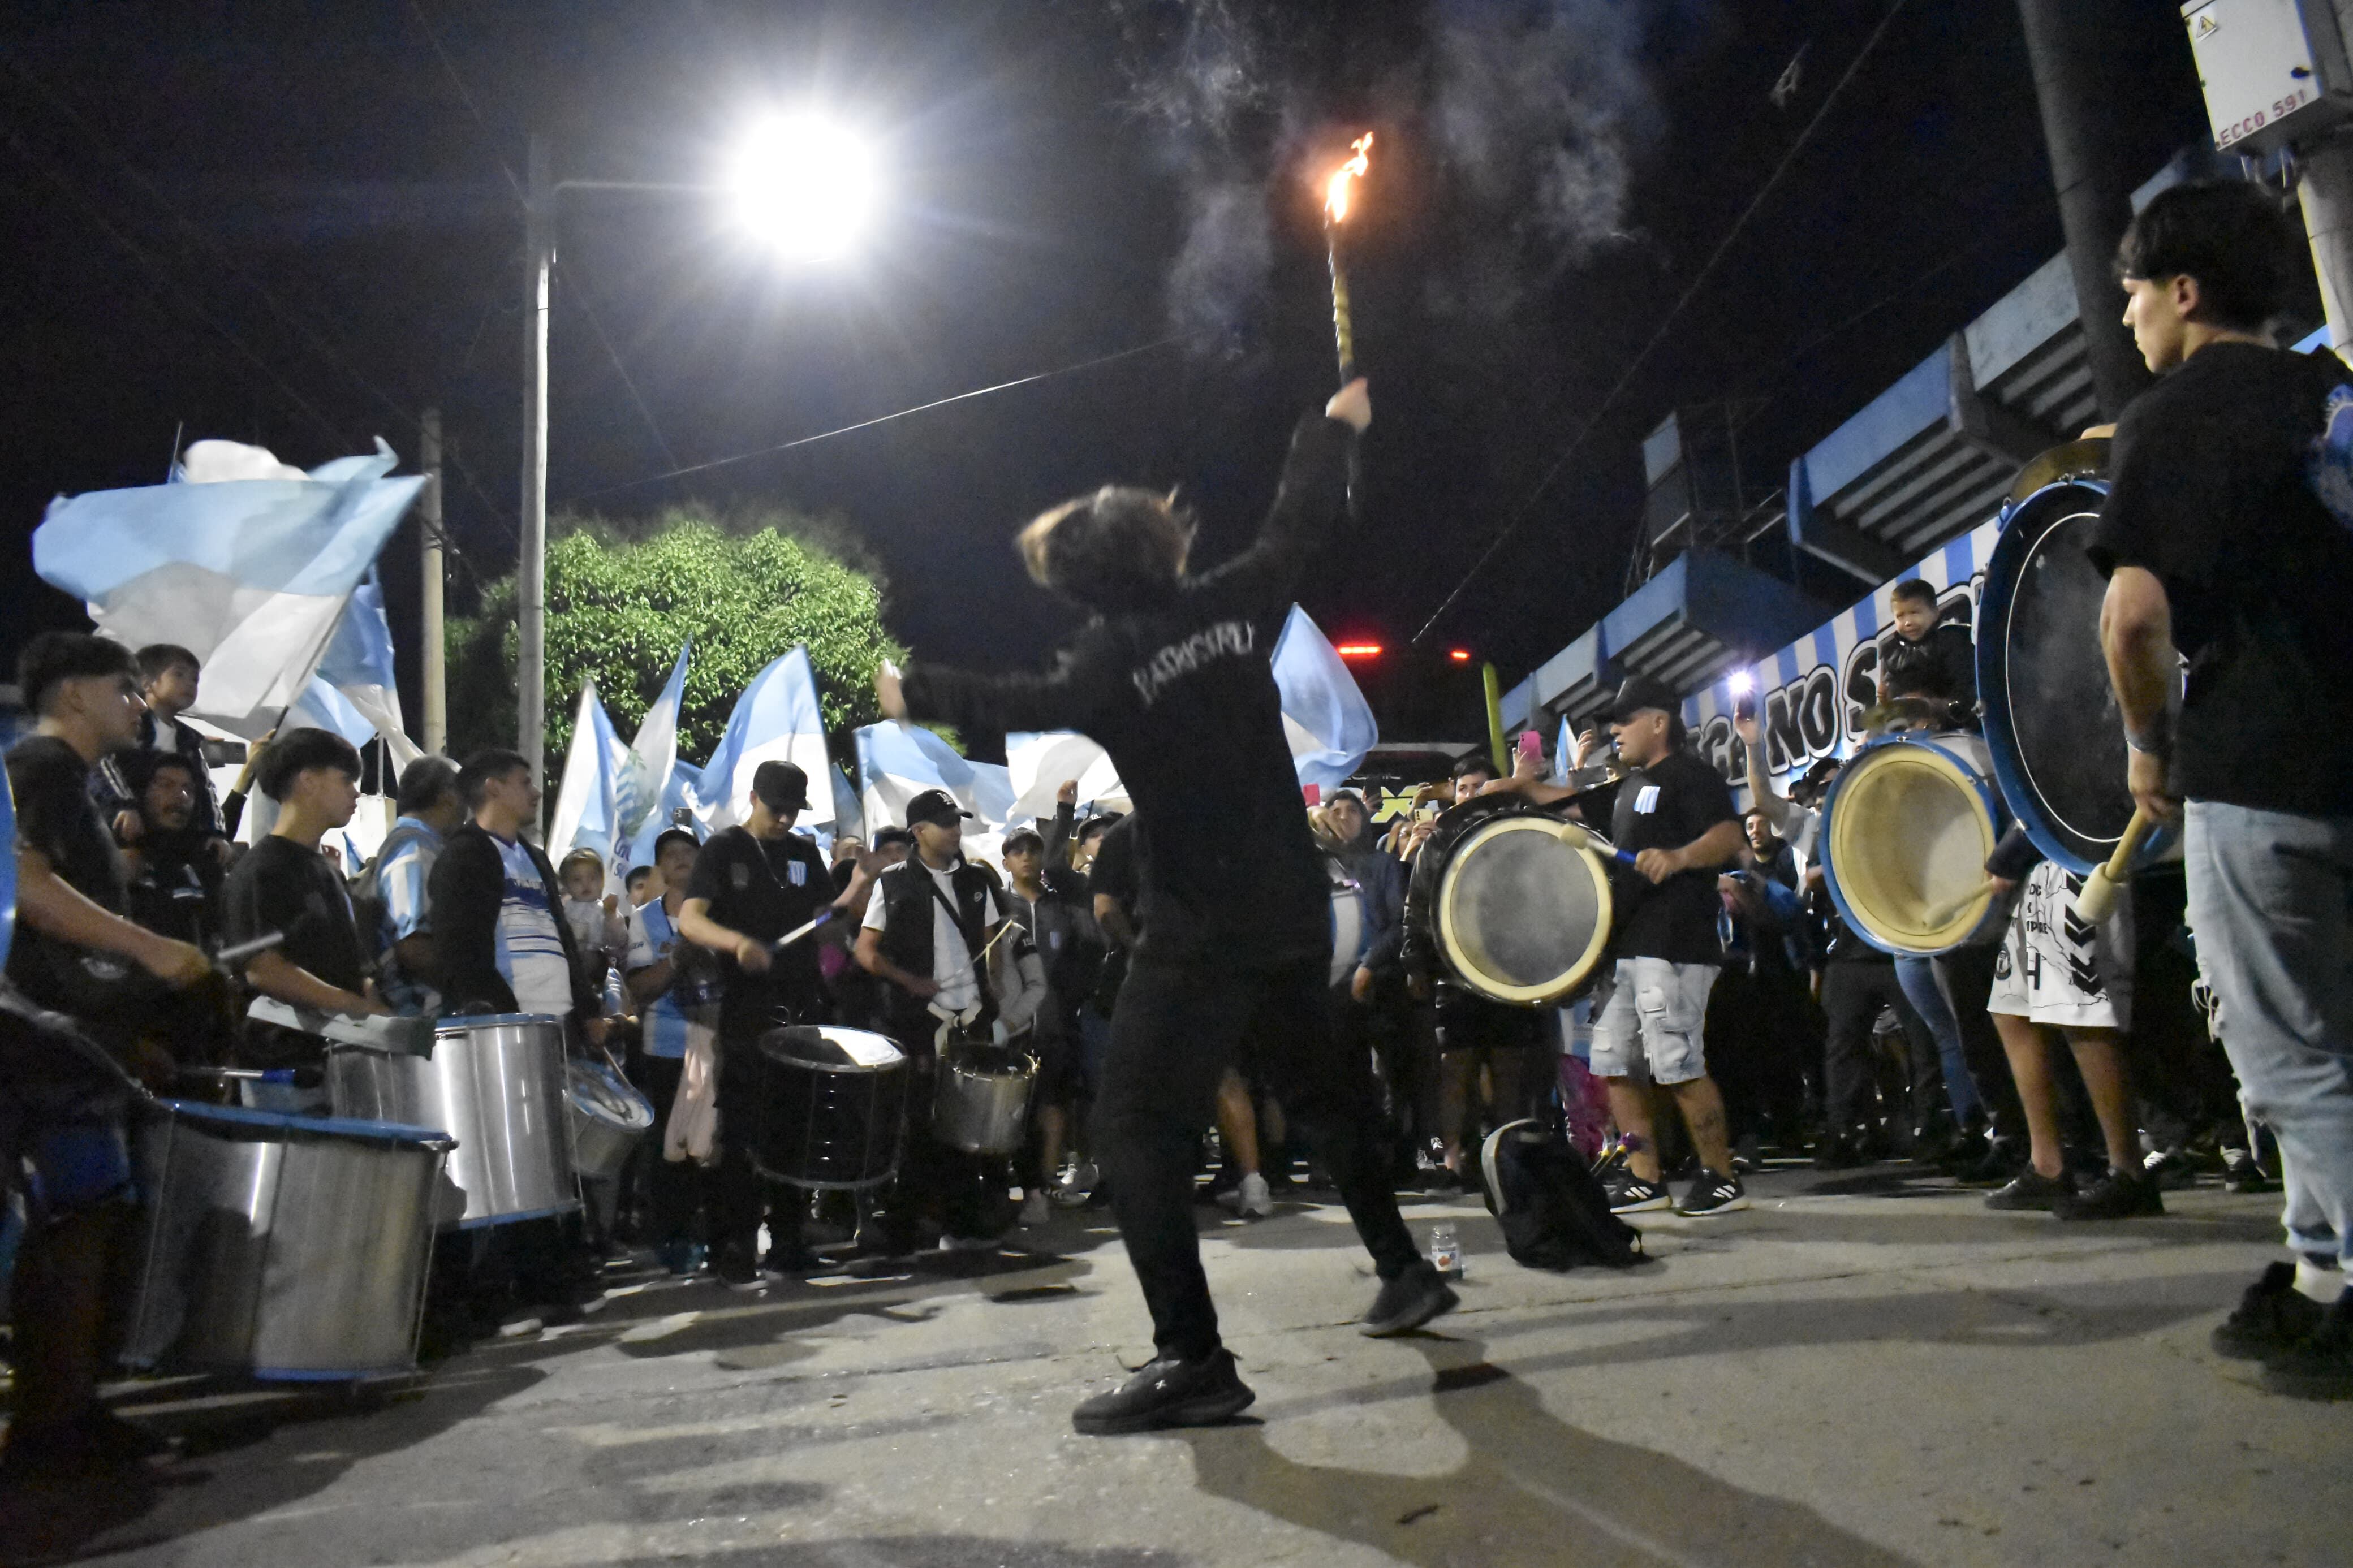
(804,185)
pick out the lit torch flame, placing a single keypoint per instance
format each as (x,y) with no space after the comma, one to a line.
(1343,178)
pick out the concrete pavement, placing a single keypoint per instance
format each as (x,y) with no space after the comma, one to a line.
(1863,1370)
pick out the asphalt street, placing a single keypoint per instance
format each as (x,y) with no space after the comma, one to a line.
(1864,1370)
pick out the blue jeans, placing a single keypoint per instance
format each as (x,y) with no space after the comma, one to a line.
(2270,904)
(1925,989)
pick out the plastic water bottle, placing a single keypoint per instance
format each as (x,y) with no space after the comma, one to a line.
(1445,1252)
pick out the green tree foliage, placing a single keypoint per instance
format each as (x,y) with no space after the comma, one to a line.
(621,598)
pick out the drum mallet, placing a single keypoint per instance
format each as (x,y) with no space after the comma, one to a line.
(228,957)
(2097,901)
(1936,916)
(1575,835)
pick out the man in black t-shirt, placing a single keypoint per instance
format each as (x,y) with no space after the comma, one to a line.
(1674,817)
(284,884)
(60,1111)
(751,885)
(2219,549)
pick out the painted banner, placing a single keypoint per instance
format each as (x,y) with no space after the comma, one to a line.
(1812,696)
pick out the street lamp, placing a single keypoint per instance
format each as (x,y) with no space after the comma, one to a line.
(802,183)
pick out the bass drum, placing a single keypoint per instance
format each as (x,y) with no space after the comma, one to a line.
(831,1108)
(1905,832)
(1517,914)
(2050,720)
(1351,931)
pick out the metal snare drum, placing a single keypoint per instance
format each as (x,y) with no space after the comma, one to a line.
(607,1118)
(831,1108)
(980,1100)
(1351,930)
(496,1084)
(1906,828)
(284,1246)
(1517,914)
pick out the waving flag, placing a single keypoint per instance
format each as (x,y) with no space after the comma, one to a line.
(678,807)
(1326,716)
(588,801)
(849,817)
(248,565)
(1040,764)
(1564,760)
(358,665)
(777,719)
(899,761)
(655,751)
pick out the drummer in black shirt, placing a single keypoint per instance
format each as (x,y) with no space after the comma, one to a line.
(2225,538)
(284,884)
(61,1111)
(1675,816)
(751,884)
(1172,679)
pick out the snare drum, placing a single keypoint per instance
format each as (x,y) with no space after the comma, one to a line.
(980,1100)
(832,1110)
(284,1246)
(1517,914)
(495,1083)
(1907,829)
(607,1118)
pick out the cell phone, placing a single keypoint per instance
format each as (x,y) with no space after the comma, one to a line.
(1745,708)
(1427,810)
(1532,744)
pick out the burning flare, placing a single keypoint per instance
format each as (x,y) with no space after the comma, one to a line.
(1343,178)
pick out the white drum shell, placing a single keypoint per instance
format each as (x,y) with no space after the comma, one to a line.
(296,1254)
(497,1084)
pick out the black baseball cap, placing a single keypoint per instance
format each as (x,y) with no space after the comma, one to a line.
(781,787)
(1025,837)
(889,836)
(936,807)
(1640,693)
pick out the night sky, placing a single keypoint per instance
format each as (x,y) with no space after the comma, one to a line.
(289,225)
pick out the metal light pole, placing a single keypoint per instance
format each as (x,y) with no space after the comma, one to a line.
(530,571)
(429,568)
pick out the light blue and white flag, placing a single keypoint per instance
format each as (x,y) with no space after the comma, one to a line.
(358,664)
(777,720)
(1564,761)
(322,706)
(655,751)
(849,817)
(588,801)
(899,761)
(678,807)
(1040,764)
(1325,718)
(251,574)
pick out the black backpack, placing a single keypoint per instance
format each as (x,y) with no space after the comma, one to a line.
(1554,1213)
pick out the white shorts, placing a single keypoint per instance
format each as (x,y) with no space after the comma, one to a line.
(2056,968)
(1648,1011)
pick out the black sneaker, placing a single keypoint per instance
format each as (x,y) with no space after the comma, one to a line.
(1635,1196)
(1408,1301)
(737,1271)
(1168,1393)
(2319,1365)
(2242,1172)
(1712,1193)
(2272,1317)
(1999,1160)
(1836,1153)
(2119,1195)
(2030,1189)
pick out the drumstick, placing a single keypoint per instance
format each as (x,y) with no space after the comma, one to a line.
(2098,902)
(246,949)
(1575,835)
(791,937)
(1937,915)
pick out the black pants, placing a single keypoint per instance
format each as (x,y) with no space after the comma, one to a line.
(1854,990)
(1968,974)
(740,1194)
(1177,1028)
(674,1188)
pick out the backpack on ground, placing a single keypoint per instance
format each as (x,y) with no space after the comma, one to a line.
(1555,1215)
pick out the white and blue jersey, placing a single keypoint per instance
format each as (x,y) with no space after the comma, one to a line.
(402,874)
(530,951)
(652,939)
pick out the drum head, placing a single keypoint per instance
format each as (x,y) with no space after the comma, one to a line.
(596,1092)
(1522,917)
(2050,713)
(831,1048)
(1909,825)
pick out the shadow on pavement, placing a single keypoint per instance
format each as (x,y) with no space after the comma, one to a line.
(1533,1491)
(917,1551)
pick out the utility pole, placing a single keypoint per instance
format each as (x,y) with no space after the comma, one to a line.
(2076,86)
(531,571)
(428,581)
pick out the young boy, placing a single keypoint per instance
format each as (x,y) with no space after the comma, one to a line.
(168,681)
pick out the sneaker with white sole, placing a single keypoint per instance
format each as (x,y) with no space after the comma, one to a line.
(1635,1196)
(1251,1200)
(1713,1193)
(1035,1211)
